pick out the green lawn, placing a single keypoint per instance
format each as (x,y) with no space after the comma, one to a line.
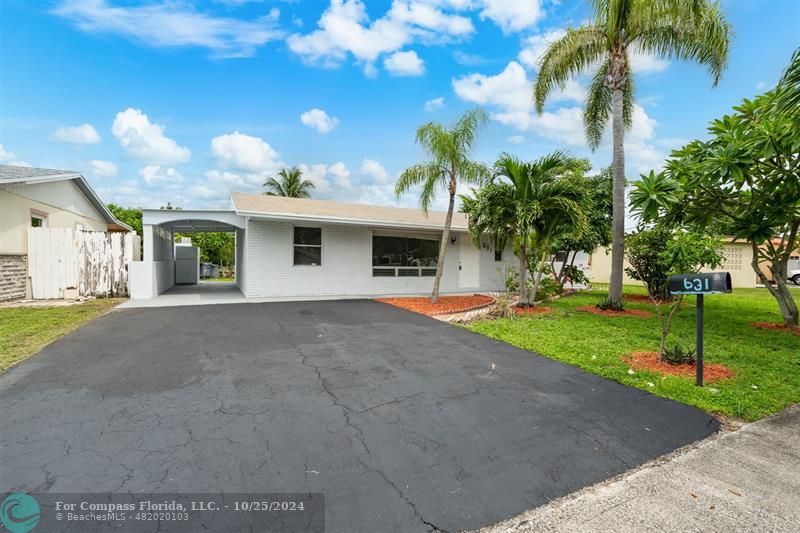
(766,363)
(26,330)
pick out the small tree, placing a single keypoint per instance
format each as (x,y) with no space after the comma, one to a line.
(656,253)
(598,208)
(745,178)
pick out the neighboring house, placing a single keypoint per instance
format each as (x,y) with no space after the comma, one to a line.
(738,258)
(300,248)
(39,197)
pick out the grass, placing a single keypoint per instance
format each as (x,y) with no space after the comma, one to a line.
(26,330)
(766,363)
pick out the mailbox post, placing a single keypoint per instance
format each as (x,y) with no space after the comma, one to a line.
(700,284)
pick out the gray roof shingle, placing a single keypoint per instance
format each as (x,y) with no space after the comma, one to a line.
(8,172)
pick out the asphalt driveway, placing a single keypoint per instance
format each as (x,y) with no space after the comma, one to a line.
(403,422)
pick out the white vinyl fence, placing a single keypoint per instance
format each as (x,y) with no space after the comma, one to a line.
(93,262)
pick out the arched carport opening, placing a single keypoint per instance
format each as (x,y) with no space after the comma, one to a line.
(155,274)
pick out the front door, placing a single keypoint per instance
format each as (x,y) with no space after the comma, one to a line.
(468,263)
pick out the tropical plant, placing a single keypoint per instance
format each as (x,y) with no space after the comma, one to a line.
(658,252)
(529,203)
(747,179)
(787,100)
(683,29)
(597,205)
(289,183)
(449,150)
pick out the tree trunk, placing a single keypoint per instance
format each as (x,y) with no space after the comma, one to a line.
(445,239)
(781,293)
(523,277)
(537,280)
(618,196)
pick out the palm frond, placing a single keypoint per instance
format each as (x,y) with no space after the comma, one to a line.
(696,30)
(598,107)
(568,56)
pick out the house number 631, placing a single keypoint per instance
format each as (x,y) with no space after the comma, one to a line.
(695,284)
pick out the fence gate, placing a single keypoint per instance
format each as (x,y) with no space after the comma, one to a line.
(93,262)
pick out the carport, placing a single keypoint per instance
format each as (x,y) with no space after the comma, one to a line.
(155,273)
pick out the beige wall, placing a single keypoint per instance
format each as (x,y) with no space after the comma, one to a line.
(738,257)
(15,218)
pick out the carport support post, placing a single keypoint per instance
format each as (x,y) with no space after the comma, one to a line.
(699,382)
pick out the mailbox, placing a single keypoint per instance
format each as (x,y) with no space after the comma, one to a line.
(700,283)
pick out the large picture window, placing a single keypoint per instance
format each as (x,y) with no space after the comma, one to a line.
(394,256)
(307,246)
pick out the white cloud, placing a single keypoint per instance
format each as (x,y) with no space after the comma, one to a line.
(243,152)
(319,120)
(512,15)
(647,63)
(172,24)
(8,158)
(508,95)
(375,171)
(434,104)
(103,169)
(345,29)
(762,86)
(156,175)
(83,134)
(404,64)
(534,47)
(516,139)
(430,17)
(145,140)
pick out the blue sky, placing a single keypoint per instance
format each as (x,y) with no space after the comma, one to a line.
(183,101)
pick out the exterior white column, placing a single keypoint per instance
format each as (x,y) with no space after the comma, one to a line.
(147,242)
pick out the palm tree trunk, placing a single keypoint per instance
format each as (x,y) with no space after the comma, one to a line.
(523,278)
(537,280)
(445,239)
(618,196)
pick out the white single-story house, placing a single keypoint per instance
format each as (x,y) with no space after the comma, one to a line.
(41,197)
(302,248)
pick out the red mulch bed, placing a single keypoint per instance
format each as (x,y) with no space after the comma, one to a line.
(445,306)
(531,310)
(649,361)
(776,327)
(608,312)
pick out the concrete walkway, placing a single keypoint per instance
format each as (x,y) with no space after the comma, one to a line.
(747,480)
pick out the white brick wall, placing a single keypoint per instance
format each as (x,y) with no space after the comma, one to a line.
(346,268)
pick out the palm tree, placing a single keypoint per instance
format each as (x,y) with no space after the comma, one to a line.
(683,29)
(290,184)
(449,151)
(530,203)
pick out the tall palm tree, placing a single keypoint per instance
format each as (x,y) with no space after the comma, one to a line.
(449,151)
(530,203)
(682,29)
(289,183)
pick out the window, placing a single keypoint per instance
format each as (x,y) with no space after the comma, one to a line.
(396,256)
(307,246)
(38,219)
(498,254)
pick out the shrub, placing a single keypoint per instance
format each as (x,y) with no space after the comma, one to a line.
(609,304)
(678,355)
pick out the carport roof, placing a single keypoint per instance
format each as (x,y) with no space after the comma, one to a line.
(279,207)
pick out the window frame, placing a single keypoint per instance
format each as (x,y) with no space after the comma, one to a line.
(38,215)
(321,245)
(419,271)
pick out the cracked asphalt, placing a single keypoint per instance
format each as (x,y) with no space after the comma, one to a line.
(404,423)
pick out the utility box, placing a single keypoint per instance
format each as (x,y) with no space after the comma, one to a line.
(187,265)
